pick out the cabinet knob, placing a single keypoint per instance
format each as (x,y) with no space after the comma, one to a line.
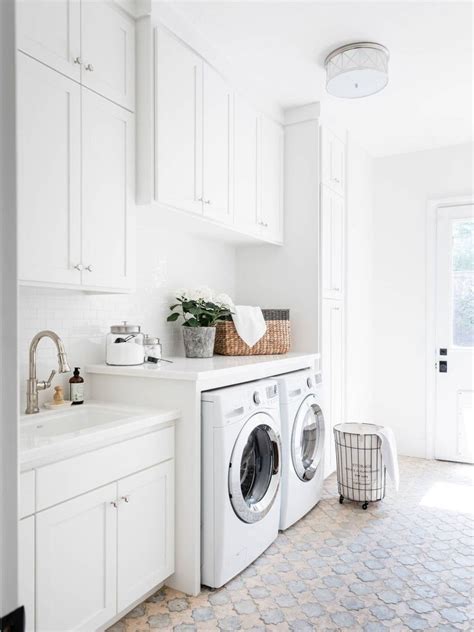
(126,499)
(79,267)
(90,67)
(337,180)
(78,60)
(114,504)
(89,268)
(264,224)
(207,201)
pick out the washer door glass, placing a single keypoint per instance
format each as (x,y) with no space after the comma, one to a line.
(307,442)
(254,470)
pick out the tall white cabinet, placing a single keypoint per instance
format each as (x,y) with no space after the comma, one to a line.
(332,212)
(76,145)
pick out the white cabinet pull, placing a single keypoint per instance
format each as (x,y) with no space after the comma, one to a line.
(264,224)
(126,498)
(90,67)
(79,267)
(78,60)
(89,268)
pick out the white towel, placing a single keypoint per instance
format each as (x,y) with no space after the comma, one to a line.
(389,454)
(249,323)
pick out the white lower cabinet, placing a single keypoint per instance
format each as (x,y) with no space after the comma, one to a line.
(145,532)
(90,554)
(333,373)
(26,570)
(76,562)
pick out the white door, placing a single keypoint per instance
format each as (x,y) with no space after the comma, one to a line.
(49,196)
(271,180)
(51,32)
(108,52)
(332,243)
(246,130)
(217,145)
(145,531)
(107,193)
(76,563)
(333,374)
(26,570)
(178,124)
(454,429)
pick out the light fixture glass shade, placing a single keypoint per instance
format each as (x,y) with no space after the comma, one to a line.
(357,70)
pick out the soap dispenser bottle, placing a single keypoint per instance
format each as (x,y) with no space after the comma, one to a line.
(76,387)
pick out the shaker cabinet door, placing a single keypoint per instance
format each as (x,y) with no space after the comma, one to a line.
(178,124)
(246,129)
(51,33)
(76,563)
(107,193)
(108,52)
(26,570)
(49,196)
(145,531)
(217,145)
(271,157)
(332,243)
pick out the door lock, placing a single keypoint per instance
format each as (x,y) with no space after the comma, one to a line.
(443,366)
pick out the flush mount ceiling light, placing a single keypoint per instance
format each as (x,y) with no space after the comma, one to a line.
(357,70)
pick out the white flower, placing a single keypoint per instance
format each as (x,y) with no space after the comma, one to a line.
(181,292)
(224,300)
(203,293)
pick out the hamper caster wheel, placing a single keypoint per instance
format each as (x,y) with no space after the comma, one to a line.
(365,505)
(341,499)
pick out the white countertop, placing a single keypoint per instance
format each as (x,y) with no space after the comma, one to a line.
(50,436)
(207,369)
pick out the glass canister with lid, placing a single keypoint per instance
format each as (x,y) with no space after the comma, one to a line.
(153,349)
(124,345)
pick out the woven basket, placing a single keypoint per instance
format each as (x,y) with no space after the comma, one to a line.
(276,339)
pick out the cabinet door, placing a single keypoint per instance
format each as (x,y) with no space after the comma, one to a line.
(26,570)
(76,562)
(217,110)
(332,243)
(49,145)
(246,128)
(333,158)
(145,531)
(178,124)
(51,32)
(333,373)
(108,52)
(107,193)
(271,166)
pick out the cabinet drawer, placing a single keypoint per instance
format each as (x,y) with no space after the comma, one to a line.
(69,478)
(27,493)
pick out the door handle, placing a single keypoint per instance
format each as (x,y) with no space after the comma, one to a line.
(443,366)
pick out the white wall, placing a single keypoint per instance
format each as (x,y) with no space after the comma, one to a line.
(403,185)
(359,284)
(166,259)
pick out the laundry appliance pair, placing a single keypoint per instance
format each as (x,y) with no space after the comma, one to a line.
(262,467)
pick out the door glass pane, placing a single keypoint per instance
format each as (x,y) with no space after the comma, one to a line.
(309,437)
(463,283)
(256,466)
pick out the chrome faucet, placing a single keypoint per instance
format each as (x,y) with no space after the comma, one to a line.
(33,385)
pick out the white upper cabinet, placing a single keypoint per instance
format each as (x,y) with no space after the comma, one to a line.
(108,52)
(217,145)
(332,243)
(178,124)
(145,532)
(246,130)
(271,165)
(49,175)
(333,158)
(51,32)
(107,193)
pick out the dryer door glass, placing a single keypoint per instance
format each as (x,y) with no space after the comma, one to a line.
(308,439)
(254,471)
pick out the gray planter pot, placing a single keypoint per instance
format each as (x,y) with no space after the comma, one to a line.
(199,341)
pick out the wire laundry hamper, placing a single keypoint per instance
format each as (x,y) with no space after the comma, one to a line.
(360,470)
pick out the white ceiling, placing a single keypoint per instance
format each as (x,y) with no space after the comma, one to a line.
(281,46)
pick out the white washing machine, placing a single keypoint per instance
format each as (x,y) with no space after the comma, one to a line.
(241,456)
(303,431)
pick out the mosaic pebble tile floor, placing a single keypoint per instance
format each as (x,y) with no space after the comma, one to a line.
(404,564)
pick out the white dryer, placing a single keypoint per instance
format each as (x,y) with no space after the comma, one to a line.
(303,431)
(241,456)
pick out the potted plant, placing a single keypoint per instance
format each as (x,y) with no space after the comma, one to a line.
(200,310)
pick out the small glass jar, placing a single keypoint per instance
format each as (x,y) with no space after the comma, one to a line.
(124,345)
(153,349)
